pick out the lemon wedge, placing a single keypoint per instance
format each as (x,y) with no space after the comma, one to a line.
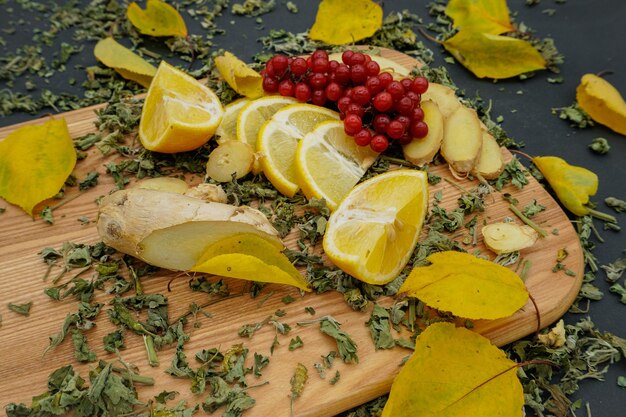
(251,257)
(374,230)
(179,114)
(227,130)
(278,142)
(329,163)
(253,115)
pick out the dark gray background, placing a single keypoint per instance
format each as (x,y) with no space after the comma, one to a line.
(589,33)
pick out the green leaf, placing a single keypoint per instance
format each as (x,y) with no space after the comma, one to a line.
(380,328)
(23,309)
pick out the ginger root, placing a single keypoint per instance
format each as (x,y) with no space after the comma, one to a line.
(462,139)
(170,184)
(444,97)
(173,230)
(230,159)
(505,237)
(423,151)
(208,192)
(490,163)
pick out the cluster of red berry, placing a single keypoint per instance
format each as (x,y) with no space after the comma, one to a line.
(373,106)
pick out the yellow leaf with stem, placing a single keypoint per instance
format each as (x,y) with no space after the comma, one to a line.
(455,372)
(250,257)
(483,16)
(602,102)
(494,56)
(346,21)
(158,19)
(467,286)
(124,61)
(239,76)
(573,185)
(35,161)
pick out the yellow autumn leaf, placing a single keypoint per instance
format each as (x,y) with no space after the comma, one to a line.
(483,16)
(159,19)
(602,102)
(494,56)
(239,76)
(128,64)
(250,257)
(35,161)
(455,372)
(346,21)
(573,185)
(467,286)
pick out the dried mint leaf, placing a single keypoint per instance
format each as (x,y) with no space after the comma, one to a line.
(616,204)
(600,146)
(380,328)
(23,309)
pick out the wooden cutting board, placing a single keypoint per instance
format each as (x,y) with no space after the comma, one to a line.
(24,371)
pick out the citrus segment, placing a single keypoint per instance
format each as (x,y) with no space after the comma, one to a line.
(227,130)
(374,230)
(329,163)
(179,114)
(278,142)
(249,256)
(254,114)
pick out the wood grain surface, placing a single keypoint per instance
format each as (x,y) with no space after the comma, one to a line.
(24,370)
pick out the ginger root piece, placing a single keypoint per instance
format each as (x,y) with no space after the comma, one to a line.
(422,151)
(445,97)
(173,230)
(231,158)
(462,139)
(508,237)
(490,163)
(208,192)
(172,185)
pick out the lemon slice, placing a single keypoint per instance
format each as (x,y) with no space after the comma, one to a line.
(227,130)
(251,257)
(254,114)
(329,163)
(179,114)
(374,230)
(278,142)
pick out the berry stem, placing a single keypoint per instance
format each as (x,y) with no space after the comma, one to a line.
(427,36)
